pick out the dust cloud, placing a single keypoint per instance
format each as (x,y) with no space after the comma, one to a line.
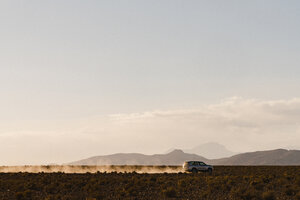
(90,169)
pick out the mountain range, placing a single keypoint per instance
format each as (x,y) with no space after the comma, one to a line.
(177,157)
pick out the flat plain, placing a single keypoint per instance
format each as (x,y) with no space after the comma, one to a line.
(226,182)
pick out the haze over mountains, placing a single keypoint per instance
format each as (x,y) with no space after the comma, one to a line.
(177,157)
(210,150)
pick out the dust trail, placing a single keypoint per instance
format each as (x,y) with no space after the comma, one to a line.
(91,169)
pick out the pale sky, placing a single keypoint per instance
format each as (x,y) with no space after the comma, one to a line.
(85,78)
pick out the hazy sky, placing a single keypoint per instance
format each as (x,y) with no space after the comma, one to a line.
(84,78)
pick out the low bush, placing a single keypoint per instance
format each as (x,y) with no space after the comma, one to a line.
(268,195)
(170,192)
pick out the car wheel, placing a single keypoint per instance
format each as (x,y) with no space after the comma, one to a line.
(209,170)
(194,171)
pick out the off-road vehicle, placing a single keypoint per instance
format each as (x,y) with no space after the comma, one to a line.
(196,166)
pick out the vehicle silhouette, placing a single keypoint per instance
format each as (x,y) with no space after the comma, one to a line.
(196,166)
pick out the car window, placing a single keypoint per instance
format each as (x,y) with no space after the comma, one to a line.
(202,163)
(193,163)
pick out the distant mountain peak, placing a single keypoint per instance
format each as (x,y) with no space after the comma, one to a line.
(176,151)
(211,150)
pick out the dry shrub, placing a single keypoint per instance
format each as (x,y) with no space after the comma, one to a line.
(170,192)
(298,196)
(290,191)
(268,195)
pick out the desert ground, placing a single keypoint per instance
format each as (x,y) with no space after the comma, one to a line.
(149,182)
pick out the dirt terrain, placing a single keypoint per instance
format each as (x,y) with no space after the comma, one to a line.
(226,182)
